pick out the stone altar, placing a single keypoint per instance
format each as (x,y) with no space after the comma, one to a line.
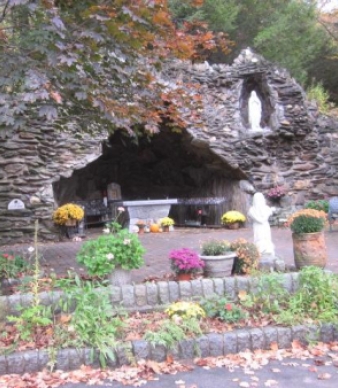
(149,210)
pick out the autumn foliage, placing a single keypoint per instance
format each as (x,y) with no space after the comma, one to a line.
(96,65)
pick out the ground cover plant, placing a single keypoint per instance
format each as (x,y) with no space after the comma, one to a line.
(85,317)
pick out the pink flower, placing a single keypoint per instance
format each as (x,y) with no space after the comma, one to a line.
(185,260)
(228,306)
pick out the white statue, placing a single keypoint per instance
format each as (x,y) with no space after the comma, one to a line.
(259,212)
(255,112)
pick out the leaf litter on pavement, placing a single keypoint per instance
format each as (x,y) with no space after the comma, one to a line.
(143,371)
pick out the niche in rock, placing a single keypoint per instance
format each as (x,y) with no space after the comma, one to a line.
(255,104)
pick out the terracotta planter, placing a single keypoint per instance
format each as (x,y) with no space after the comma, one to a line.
(120,277)
(218,266)
(234,225)
(70,222)
(165,228)
(309,249)
(141,229)
(184,276)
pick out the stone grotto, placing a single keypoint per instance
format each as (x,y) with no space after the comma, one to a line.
(224,156)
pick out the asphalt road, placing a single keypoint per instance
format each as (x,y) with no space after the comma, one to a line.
(277,374)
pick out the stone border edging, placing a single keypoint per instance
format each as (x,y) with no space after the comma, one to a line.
(212,344)
(149,296)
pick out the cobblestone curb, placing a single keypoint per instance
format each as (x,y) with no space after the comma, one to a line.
(149,296)
(203,346)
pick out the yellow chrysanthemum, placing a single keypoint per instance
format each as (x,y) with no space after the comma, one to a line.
(67,212)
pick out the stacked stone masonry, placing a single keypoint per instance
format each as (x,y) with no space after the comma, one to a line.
(296,148)
(150,296)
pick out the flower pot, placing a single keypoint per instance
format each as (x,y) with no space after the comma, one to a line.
(141,229)
(234,225)
(120,277)
(70,222)
(218,266)
(184,276)
(165,228)
(309,249)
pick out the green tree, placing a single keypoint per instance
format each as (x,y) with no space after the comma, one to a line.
(293,38)
(283,31)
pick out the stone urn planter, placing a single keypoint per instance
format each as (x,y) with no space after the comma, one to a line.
(309,249)
(218,266)
(120,277)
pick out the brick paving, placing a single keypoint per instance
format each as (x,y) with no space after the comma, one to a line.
(61,256)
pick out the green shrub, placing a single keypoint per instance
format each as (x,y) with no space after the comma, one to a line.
(223,309)
(321,204)
(11,266)
(247,256)
(307,224)
(102,255)
(185,310)
(170,332)
(320,95)
(215,247)
(316,298)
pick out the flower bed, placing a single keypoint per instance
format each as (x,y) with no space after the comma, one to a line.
(224,311)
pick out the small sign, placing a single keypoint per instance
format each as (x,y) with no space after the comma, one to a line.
(16,204)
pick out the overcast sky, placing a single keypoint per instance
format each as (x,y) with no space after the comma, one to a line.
(328,5)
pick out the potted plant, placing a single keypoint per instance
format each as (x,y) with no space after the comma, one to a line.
(320,204)
(113,254)
(247,256)
(218,258)
(309,247)
(276,193)
(184,262)
(141,226)
(232,219)
(68,214)
(166,222)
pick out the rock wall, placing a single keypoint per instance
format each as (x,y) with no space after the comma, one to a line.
(296,148)
(30,161)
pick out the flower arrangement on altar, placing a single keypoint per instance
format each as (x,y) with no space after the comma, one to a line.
(307,221)
(185,260)
(276,192)
(141,223)
(232,217)
(68,212)
(166,221)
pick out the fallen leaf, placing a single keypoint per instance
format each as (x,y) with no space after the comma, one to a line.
(270,383)
(244,384)
(324,376)
(242,295)
(274,346)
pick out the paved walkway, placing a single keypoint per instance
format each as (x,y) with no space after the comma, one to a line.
(61,256)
